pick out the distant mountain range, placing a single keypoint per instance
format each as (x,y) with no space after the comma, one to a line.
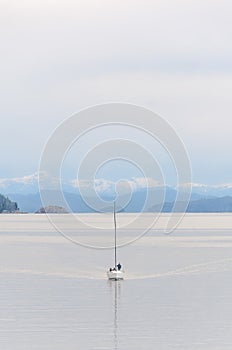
(32,202)
(204,205)
(204,198)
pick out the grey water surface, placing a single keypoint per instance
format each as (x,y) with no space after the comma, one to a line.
(177,293)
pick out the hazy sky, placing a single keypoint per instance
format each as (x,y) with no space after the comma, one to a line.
(172,56)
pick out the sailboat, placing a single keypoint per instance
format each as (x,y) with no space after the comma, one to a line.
(115,273)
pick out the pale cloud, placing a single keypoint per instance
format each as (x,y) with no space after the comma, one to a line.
(173,56)
(24,180)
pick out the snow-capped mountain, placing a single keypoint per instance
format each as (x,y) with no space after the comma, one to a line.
(207,191)
(25,191)
(29,184)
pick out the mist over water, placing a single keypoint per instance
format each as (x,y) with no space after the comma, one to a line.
(177,291)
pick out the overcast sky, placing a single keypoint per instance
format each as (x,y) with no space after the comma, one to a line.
(172,56)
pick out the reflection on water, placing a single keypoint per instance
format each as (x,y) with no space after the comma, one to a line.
(115,288)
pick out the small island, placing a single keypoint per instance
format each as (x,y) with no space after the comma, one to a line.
(51,209)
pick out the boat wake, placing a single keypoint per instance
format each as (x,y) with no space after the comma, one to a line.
(207,267)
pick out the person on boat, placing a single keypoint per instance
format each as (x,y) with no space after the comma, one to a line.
(112,269)
(119,266)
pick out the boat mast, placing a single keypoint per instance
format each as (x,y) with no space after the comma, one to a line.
(115,239)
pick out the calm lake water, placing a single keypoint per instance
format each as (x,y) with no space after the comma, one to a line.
(54,294)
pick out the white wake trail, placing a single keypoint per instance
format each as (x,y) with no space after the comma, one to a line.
(207,267)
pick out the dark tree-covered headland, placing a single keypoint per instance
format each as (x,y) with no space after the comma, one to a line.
(7,205)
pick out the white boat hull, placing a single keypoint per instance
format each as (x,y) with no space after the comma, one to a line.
(115,275)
